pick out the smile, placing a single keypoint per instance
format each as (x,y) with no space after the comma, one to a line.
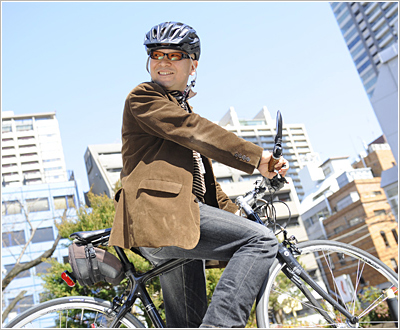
(162,73)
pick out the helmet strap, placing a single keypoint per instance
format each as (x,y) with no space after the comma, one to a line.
(147,64)
(192,83)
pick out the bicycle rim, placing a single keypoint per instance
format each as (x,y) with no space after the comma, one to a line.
(356,279)
(72,312)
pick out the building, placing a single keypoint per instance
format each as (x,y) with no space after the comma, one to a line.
(31,149)
(385,102)
(379,157)
(36,191)
(362,217)
(41,204)
(103,167)
(321,182)
(367,28)
(261,131)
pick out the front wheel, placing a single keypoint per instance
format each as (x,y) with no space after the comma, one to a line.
(354,278)
(72,312)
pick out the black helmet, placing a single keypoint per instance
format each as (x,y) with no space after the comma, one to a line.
(173,35)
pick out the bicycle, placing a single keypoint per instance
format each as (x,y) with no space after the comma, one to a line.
(291,294)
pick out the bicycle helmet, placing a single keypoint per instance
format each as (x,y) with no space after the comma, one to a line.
(173,35)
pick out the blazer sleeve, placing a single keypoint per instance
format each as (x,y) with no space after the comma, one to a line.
(160,116)
(224,201)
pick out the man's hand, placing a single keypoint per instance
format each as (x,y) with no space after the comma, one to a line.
(281,167)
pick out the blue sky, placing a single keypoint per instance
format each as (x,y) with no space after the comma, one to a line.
(81,59)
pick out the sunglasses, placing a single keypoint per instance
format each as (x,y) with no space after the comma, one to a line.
(175,56)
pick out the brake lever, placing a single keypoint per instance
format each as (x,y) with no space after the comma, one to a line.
(277,151)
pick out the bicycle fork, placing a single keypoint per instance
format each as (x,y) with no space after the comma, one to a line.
(294,271)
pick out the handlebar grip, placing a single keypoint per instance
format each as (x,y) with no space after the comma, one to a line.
(272,163)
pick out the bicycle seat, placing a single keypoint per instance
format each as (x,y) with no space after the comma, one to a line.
(90,236)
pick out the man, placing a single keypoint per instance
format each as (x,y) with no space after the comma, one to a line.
(171,205)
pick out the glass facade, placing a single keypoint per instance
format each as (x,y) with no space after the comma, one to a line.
(368,28)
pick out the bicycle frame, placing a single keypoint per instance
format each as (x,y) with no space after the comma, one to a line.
(138,291)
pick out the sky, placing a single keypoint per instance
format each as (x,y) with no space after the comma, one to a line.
(81,59)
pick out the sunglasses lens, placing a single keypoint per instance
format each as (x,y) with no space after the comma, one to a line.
(174,56)
(155,55)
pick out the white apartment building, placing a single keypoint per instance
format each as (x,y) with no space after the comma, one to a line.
(103,167)
(31,149)
(36,192)
(367,28)
(261,131)
(322,181)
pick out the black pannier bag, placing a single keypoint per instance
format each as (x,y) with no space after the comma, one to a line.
(91,265)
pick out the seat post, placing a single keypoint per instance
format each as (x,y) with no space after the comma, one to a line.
(125,261)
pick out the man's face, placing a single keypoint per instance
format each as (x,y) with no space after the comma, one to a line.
(172,75)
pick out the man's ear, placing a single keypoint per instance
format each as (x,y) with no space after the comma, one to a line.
(195,63)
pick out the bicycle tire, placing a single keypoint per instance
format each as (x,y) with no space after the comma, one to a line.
(43,314)
(277,308)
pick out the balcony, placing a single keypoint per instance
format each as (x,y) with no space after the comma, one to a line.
(371,7)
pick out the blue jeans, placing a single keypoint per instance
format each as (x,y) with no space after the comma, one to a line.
(250,249)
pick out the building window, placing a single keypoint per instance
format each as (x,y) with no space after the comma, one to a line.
(284,197)
(43,235)
(354,221)
(38,204)
(348,200)
(64,202)
(379,212)
(6,126)
(396,238)
(22,305)
(13,238)
(11,207)
(339,229)
(327,171)
(89,164)
(383,235)
(341,258)
(25,273)
(43,267)
(24,125)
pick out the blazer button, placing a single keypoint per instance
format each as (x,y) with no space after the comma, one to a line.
(236,155)
(247,159)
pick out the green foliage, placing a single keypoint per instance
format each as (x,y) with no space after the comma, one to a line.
(100,216)
(368,297)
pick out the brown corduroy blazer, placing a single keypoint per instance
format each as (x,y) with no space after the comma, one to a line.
(156,206)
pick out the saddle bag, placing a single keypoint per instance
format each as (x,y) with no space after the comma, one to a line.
(91,265)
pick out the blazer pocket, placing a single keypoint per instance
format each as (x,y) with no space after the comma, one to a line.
(160,186)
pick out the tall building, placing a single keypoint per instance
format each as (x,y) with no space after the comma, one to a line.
(37,191)
(24,209)
(261,131)
(31,149)
(103,167)
(367,28)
